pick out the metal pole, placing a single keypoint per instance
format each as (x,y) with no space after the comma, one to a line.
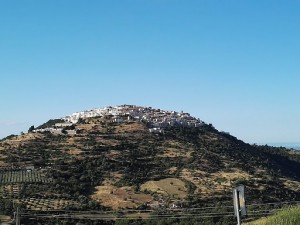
(18,216)
(237,203)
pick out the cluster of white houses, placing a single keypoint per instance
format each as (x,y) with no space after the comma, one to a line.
(156,118)
(58,128)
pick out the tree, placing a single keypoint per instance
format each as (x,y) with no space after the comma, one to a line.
(30,129)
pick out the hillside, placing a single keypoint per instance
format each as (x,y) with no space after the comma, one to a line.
(287,216)
(117,161)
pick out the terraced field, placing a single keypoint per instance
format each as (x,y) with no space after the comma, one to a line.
(10,190)
(22,176)
(47,204)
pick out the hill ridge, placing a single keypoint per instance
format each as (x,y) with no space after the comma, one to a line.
(156,119)
(119,164)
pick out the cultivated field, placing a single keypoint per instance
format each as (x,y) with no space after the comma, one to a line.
(10,190)
(47,204)
(22,176)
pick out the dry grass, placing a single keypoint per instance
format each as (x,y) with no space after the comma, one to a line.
(10,190)
(74,151)
(29,136)
(89,127)
(130,127)
(15,142)
(110,142)
(208,183)
(113,154)
(3,156)
(294,152)
(5,219)
(198,178)
(171,187)
(173,152)
(261,221)
(173,170)
(234,174)
(291,184)
(173,149)
(114,177)
(116,198)
(4,164)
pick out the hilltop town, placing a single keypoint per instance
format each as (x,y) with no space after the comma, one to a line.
(108,163)
(157,119)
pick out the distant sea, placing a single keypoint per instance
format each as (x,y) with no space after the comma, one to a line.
(286,145)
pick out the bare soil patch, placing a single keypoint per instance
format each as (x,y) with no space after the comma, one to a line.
(116,198)
(130,127)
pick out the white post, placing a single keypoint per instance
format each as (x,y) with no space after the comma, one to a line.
(237,208)
(18,216)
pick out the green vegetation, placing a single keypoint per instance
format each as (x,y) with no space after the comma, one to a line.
(31,128)
(50,123)
(172,221)
(288,216)
(188,167)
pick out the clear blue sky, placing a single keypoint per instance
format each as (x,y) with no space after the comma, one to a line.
(231,63)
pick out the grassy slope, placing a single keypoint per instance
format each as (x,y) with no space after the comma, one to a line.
(289,216)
